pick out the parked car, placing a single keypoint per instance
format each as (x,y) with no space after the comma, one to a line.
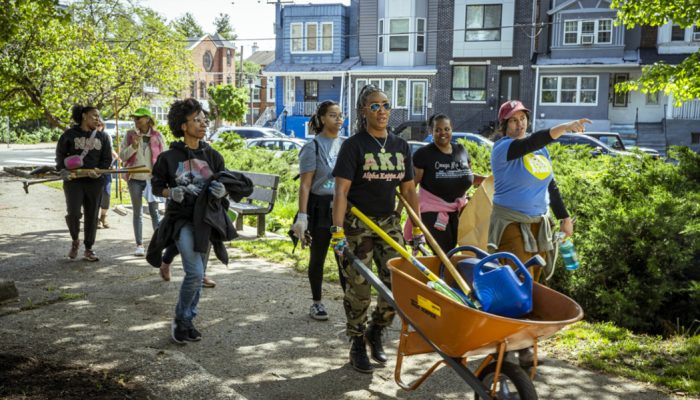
(615,141)
(415,145)
(599,148)
(248,132)
(111,127)
(274,143)
(472,137)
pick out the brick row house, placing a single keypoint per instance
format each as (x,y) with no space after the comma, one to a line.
(466,57)
(262,89)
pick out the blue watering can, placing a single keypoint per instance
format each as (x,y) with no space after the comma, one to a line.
(497,287)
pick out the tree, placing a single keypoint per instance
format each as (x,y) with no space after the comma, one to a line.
(187,26)
(682,80)
(107,55)
(227,102)
(222,24)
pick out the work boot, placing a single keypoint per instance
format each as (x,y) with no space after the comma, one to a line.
(373,336)
(358,355)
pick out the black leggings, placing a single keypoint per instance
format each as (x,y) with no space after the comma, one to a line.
(320,221)
(446,239)
(84,193)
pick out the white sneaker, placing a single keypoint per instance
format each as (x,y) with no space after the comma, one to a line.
(140,251)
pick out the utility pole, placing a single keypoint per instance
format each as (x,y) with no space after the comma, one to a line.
(240,68)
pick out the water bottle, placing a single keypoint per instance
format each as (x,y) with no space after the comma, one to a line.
(568,253)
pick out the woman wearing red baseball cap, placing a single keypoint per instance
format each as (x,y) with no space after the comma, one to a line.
(525,189)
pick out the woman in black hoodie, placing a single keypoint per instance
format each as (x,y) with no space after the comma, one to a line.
(85,192)
(180,174)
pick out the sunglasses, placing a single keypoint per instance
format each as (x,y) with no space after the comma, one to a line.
(374,107)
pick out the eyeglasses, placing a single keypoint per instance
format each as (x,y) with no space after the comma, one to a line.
(200,120)
(335,116)
(374,107)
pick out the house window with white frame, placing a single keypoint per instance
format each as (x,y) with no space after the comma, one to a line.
(677,33)
(401,93)
(569,90)
(307,38)
(398,34)
(297,36)
(588,31)
(420,35)
(359,84)
(483,23)
(469,83)
(380,36)
(388,88)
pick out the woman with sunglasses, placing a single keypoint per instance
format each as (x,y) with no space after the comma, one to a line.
(370,166)
(181,174)
(316,161)
(443,170)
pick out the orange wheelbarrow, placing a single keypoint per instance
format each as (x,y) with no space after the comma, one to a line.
(431,322)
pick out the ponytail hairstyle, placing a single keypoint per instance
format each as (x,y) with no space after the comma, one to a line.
(315,123)
(77,113)
(435,118)
(360,121)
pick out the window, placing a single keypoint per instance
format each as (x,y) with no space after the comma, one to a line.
(311,37)
(256,94)
(418,97)
(619,98)
(297,40)
(677,33)
(469,83)
(401,93)
(310,91)
(207,60)
(388,87)
(483,23)
(193,88)
(420,35)
(652,99)
(270,89)
(696,33)
(326,36)
(228,57)
(398,34)
(202,90)
(695,138)
(228,80)
(359,84)
(375,82)
(588,31)
(565,90)
(380,37)
(604,31)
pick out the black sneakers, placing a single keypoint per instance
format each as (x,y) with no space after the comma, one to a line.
(183,331)
(358,355)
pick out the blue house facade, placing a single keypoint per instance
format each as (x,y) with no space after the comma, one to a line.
(316,47)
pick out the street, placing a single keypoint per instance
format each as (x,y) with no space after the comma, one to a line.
(27,154)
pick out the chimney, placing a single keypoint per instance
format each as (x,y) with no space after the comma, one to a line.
(254,48)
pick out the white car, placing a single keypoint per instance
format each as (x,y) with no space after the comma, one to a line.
(274,143)
(248,132)
(111,127)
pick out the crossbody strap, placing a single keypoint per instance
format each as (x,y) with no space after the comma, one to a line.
(90,144)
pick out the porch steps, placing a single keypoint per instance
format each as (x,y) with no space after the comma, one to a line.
(652,135)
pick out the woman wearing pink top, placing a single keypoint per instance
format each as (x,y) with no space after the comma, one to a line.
(443,171)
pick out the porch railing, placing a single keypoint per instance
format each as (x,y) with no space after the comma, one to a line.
(304,107)
(280,119)
(689,110)
(265,116)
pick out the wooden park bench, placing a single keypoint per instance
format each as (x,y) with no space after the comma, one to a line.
(260,202)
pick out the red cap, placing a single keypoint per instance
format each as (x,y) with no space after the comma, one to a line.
(509,108)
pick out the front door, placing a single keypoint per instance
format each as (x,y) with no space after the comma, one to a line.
(310,97)
(510,86)
(418,97)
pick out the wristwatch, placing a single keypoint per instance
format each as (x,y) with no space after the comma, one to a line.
(336,229)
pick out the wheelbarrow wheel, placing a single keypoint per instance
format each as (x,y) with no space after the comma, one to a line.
(513,382)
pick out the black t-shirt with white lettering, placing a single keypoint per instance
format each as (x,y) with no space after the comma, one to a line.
(447,176)
(374,175)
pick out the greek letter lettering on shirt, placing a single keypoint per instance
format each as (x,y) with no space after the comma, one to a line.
(81,143)
(537,165)
(381,167)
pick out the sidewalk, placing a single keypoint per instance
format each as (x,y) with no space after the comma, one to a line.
(258,341)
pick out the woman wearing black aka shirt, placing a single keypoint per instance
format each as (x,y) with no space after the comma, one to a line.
(85,192)
(443,171)
(370,166)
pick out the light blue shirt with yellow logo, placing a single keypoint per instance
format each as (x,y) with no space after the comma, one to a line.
(521,184)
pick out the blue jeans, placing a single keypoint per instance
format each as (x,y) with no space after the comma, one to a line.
(194,264)
(136,191)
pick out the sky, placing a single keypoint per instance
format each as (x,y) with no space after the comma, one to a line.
(252,20)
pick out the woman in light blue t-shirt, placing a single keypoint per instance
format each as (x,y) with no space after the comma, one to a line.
(317,185)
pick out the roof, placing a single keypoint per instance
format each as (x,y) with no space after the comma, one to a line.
(217,39)
(280,68)
(262,57)
(651,55)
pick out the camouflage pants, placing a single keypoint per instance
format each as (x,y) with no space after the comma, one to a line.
(368,247)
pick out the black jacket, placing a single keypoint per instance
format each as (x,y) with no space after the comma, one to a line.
(73,141)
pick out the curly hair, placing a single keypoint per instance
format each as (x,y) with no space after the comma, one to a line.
(360,121)
(315,123)
(179,111)
(435,118)
(77,112)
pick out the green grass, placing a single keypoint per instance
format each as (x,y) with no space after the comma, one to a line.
(125,198)
(673,363)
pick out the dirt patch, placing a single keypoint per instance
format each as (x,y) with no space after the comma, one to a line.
(33,379)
